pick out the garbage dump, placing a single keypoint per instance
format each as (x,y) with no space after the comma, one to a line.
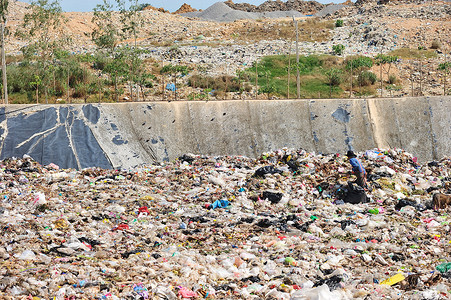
(275,227)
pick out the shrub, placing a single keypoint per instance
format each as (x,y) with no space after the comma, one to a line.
(338,49)
(392,79)
(360,62)
(308,63)
(219,83)
(333,77)
(100,62)
(436,44)
(366,78)
(339,23)
(446,66)
(80,91)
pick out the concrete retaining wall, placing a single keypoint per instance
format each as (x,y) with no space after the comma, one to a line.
(129,134)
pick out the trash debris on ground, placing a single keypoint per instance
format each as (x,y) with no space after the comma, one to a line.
(227,228)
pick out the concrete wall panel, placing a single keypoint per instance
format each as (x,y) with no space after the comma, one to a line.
(130,134)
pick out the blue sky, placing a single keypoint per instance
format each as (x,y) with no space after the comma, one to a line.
(171,5)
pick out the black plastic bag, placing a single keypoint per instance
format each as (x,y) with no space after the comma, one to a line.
(272,197)
(403,202)
(266,170)
(355,194)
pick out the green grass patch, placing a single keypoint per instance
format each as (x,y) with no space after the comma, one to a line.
(273,71)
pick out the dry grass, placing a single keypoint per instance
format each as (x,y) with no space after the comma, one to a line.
(309,30)
(408,53)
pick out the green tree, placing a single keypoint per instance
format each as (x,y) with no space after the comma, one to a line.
(333,78)
(338,49)
(267,89)
(36,83)
(131,22)
(445,68)
(175,70)
(42,29)
(383,60)
(339,23)
(118,69)
(106,35)
(64,70)
(145,80)
(359,64)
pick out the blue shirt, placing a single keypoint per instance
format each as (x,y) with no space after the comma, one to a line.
(357,165)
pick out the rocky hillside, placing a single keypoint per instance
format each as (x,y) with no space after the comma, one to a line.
(225,47)
(305,7)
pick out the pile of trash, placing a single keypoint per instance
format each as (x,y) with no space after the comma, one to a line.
(276,227)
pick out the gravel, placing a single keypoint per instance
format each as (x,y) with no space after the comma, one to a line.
(330,9)
(220,12)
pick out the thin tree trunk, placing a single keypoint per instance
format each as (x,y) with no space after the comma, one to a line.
(175,87)
(162,83)
(444,75)
(330,91)
(411,78)
(360,84)
(289,69)
(256,80)
(226,87)
(142,92)
(298,79)
(100,97)
(115,87)
(421,78)
(380,66)
(68,77)
(5,80)
(350,95)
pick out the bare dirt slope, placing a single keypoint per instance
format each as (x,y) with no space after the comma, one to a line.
(368,29)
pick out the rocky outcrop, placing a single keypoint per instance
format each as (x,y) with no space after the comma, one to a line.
(185,8)
(241,6)
(305,7)
(161,9)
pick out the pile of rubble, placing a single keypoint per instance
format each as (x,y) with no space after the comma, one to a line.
(432,11)
(278,227)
